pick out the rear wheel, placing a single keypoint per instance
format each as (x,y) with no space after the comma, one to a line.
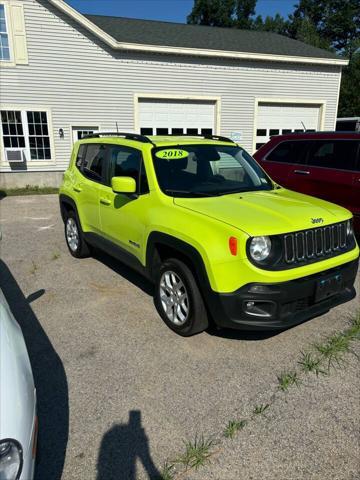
(75,237)
(178,299)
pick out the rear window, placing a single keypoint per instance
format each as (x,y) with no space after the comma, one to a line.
(94,163)
(339,154)
(289,152)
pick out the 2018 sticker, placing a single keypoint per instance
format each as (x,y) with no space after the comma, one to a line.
(172,153)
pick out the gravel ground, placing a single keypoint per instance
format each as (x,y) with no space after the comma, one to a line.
(118,392)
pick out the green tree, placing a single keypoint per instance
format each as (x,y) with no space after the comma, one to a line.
(223,13)
(331,23)
(349,104)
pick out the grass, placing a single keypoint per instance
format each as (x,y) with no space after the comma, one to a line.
(287,379)
(334,349)
(311,363)
(196,452)
(261,409)
(28,190)
(55,256)
(33,268)
(167,472)
(233,427)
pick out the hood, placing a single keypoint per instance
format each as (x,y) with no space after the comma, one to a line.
(17,393)
(267,212)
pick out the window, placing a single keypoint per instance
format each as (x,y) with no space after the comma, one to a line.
(146,131)
(162,131)
(289,152)
(80,132)
(128,162)
(81,155)
(274,131)
(39,139)
(13,132)
(339,154)
(261,132)
(94,162)
(28,131)
(4,37)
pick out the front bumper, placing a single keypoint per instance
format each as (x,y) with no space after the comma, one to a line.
(287,303)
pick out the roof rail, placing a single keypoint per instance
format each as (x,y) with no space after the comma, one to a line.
(208,136)
(126,135)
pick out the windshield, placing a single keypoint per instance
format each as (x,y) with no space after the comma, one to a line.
(207,170)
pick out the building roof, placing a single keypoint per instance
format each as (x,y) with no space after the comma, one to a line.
(128,34)
(150,32)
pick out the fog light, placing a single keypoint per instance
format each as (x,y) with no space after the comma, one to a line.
(259,308)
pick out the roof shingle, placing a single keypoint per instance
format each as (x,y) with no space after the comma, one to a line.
(150,32)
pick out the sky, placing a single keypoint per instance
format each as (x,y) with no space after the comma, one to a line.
(167,10)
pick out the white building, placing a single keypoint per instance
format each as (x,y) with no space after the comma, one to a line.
(63,74)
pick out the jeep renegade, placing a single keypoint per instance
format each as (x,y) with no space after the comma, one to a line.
(218,238)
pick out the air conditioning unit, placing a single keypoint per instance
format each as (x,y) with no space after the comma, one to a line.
(15,155)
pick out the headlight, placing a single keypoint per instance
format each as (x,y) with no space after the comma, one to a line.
(260,248)
(10,460)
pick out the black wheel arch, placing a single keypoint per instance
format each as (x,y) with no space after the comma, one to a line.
(161,245)
(67,204)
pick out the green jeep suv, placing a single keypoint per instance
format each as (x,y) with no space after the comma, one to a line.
(218,238)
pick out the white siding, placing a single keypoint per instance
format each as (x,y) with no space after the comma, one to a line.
(82,83)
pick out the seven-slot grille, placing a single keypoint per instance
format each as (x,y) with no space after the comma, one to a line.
(315,243)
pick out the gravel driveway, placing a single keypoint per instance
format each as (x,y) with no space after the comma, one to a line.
(118,392)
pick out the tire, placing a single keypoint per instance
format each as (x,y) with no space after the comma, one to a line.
(178,299)
(74,236)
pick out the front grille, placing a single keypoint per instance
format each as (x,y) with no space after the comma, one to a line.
(315,244)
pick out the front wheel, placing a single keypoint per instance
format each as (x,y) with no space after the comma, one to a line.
(75,237)
(178,299)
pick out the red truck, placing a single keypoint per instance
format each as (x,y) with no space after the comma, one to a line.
(322,164)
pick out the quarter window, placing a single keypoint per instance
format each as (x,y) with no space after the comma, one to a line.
(4,36)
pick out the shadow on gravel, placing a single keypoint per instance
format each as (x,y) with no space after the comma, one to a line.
(242,334)
(128,273)
(50,380)
(120,449)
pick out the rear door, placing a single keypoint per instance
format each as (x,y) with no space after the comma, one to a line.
(331,167)
(356,188)
(286,158)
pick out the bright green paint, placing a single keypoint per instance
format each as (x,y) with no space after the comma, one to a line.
(204,223)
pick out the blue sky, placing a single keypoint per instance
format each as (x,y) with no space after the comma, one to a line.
(168,10)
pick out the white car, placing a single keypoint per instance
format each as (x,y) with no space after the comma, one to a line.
(18,420)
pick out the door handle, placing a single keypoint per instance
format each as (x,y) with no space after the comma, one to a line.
(77,189)
(105,201)
(302,172)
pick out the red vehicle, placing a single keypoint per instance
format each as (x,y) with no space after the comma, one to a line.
(322,164)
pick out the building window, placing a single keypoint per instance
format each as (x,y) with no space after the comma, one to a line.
(13,131)
(39,139)
(80,132)
(27,130)
(4,37)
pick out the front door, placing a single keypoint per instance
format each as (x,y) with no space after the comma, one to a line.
(123,217)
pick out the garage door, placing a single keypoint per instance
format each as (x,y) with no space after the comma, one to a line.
(164,116)
(280,118)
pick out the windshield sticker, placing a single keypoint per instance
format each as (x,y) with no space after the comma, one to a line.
(172,153)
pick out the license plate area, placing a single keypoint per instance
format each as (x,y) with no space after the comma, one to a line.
(328,286)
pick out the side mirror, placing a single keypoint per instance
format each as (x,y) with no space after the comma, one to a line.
(123,185)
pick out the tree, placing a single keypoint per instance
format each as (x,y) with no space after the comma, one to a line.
(349,104)
(332,23)
(223,13)
(215,13)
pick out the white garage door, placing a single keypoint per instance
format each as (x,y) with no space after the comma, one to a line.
(165,116)
(280,118)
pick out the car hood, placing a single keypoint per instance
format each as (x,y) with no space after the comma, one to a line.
(17,392)
(267,212)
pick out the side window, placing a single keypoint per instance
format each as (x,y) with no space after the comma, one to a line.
(128,162)
(340,154)
(289,152)
(80,155)
(94,162)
